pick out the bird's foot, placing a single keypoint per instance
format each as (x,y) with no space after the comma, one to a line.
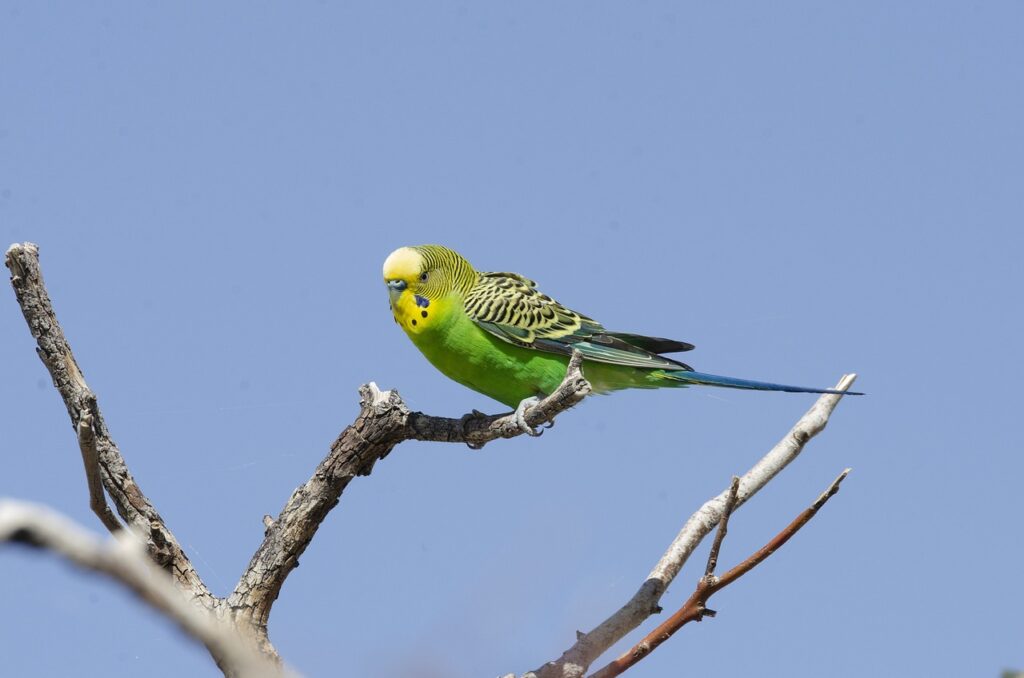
(520,415)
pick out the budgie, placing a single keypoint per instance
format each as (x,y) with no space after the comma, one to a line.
(497,334)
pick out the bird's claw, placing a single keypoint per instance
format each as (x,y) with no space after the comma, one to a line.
(520,415)
(466,418)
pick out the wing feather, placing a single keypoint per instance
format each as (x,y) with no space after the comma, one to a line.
(510,307)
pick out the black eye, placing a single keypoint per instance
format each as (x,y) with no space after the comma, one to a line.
(423,277)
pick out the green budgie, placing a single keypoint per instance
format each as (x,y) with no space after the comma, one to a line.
(497,334)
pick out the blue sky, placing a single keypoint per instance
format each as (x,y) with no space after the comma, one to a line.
(799,189)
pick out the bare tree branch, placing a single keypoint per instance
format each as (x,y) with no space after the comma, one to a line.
(575,661)
(123,559)
(383,422)
(55,352)
(695,608)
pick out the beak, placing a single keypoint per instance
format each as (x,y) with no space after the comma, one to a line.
(395,289)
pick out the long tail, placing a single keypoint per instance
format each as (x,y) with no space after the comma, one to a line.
(688,377)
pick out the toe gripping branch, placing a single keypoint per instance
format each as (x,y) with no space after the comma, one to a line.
(535,414)
(520,415)
(477,429)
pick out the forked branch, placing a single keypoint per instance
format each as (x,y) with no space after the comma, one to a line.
(575,661)
(383,422)
(695,608)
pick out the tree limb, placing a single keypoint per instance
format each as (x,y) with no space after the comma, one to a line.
(575,661)
(123,559)
(55,352)
(383,422)
(695,608)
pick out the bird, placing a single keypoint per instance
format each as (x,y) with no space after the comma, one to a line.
(497,334)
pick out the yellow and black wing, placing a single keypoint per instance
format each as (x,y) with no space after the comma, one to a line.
(510,307)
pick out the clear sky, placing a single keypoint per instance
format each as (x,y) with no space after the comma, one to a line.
(799,189)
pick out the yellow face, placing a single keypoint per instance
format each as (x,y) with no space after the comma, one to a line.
(405,277)
(405,263)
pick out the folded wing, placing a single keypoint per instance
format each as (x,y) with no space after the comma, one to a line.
(510,307)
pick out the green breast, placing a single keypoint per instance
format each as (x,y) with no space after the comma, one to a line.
(469,355)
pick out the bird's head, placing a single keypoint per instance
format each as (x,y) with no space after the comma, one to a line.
(424,273)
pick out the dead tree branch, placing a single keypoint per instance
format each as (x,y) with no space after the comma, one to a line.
(124,560)
(575,661)
(55,352)
(695,608)
(383,422)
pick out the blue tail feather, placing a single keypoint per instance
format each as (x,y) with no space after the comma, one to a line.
(689,377)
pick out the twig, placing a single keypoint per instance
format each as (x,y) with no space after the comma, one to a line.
(123,559)
(695,608)
(55,352)
(90,458)
(723,527)
(575,661)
